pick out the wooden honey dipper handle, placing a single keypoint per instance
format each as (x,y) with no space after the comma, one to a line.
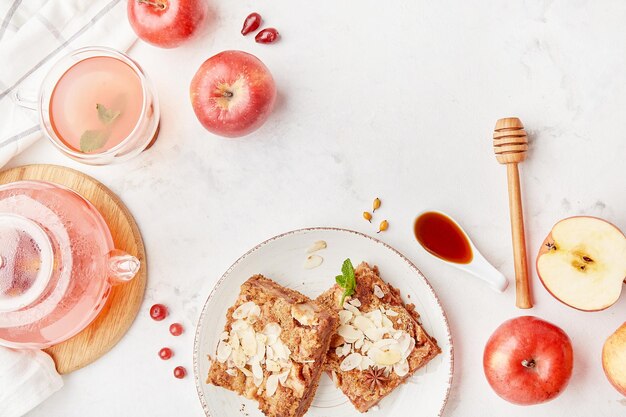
(510,144)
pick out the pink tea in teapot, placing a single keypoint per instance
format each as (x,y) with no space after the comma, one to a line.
(57,264)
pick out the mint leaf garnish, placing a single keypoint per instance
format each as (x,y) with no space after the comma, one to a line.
(346,280)
(107,116)
(92,140)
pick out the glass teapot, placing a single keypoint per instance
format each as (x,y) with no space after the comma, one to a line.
(57,264)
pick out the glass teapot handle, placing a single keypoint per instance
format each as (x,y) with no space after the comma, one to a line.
(122,267)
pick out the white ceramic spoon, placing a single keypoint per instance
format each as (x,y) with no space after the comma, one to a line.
(478,266)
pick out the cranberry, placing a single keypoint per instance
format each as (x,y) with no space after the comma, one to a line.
(158,312)
(268,35)
(165,353)
(252,23)
(180,372)
(176,329)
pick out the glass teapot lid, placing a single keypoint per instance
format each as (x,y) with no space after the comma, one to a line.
(26,262)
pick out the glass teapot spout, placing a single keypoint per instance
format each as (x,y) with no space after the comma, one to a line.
(122,267)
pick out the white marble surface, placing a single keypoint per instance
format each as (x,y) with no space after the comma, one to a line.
(396,100)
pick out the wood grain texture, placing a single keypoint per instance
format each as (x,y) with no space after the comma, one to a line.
(522,281)
(124,301)
(510,144)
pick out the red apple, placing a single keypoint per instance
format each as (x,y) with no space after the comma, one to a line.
(232,93)
(582,263)
(167,23)
(528,360)
(614,359)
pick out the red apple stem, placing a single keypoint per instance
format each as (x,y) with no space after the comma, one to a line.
(227,94)
(529,363)
(158,5)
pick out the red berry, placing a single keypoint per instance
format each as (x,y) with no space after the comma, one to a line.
(158,312)
(165,353)
(180,372)
(268,35)
(176,329)
(252,23)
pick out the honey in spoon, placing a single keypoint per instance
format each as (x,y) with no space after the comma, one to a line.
(442,237)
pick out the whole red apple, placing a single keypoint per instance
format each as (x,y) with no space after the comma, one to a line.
(528,360)
(232,93)
(166,23)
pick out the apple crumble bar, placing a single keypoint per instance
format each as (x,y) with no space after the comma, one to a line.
(273,347)
(379,342)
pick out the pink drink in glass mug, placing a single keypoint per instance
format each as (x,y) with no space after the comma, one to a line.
(57,264)
(97,106)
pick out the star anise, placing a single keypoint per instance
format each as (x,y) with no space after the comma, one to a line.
(375,377)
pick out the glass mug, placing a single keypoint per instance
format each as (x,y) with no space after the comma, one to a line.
(57,264)
(96,106)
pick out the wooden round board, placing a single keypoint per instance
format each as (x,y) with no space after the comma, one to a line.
(123,303)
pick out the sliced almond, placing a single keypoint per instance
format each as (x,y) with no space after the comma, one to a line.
(355,302)
(248,341)
(406,344)
(304,313)
(385,358)
(376,316)
(281,351)
(246,310)
(223,351)
(313,261)
(282,377)
(257,371)
(351,361)
(272,332)
(345,316)
(401,368)
(349,333)
(366,363)
(374,334)
(271,385)
(319,245)
(239,358)
(231,372)
(351,309)
(363,323)
(385,344)
(239,325)
(387,323)
(391,313)
(346,349)
(378,292)
(339,351)
(272,366)
(234,340)
(358,344)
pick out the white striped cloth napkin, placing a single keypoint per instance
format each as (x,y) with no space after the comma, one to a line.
(33,35)
(36,33)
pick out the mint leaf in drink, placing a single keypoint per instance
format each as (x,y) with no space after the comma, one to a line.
(346,280)
(92,140)
(107,116)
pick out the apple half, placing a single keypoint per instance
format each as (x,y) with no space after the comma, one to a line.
(582,263)
(614,359)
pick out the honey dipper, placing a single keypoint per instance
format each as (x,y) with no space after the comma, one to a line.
(510,144)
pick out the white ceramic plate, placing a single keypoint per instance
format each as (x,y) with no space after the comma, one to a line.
(282,259)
